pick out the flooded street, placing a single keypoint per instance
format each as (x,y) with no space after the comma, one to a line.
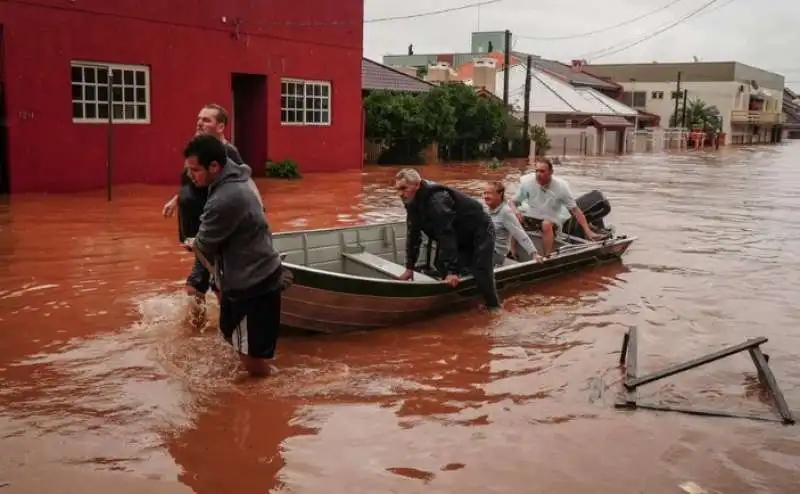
(104,386)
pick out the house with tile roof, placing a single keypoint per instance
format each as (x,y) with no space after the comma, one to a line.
(376,76)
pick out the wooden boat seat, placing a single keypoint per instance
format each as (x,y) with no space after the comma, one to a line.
(382,265)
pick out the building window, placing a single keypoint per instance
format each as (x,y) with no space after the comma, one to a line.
(639,99)
(657,95)
(130,93)
(305,102)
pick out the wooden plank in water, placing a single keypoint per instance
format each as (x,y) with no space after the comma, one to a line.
(704,412)
(694,363)
(768,381)
(631,364)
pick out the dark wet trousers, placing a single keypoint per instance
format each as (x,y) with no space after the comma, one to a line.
(477,258)
(199,278)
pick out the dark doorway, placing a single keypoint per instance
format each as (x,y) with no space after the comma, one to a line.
(621,141)
(250,119)
(5,173)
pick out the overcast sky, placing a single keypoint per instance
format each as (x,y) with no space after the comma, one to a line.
(762,33)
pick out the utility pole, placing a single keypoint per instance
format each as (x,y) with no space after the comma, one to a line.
(506,63)
(636,118)
(677,95)
(685,94)
(506,76)
(110,135)
(526,130)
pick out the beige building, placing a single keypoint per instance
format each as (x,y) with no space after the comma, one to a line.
(749,99)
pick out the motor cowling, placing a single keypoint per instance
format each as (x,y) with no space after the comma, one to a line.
(595,208)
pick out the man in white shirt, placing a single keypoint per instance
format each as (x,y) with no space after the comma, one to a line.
(550,203)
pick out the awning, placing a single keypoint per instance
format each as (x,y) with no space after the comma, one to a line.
(611,121)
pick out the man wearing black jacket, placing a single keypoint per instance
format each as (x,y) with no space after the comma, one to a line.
(459,224)
(191,198)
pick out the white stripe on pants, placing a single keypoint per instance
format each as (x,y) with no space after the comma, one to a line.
(239,337)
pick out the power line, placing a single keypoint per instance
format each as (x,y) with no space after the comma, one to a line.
(256,24)
(432,12)
(613,49)
(605,29)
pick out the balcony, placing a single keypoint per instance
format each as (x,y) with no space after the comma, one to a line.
(757,117)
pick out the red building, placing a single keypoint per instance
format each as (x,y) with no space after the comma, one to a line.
(289,73)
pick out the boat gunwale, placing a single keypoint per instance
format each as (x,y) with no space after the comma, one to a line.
(587,246)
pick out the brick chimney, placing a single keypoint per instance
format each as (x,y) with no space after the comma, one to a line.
(484,73)
(440,72)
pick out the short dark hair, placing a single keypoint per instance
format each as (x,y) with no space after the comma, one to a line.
(207,149)
(222,115)
(500,188)
(548,162)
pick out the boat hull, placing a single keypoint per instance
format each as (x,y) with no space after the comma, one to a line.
(337,302)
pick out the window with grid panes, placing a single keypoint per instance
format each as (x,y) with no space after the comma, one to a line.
(305,102)
(130,93)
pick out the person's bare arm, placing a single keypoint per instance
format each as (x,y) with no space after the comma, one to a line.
(170,207)
(516,201)
(569,201)
(587,229)
(518,233)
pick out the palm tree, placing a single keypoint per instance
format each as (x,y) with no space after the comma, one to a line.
(700,116)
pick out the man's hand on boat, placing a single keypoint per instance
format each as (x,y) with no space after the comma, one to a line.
(188,243)
(451,279)
(593,236)
(408,274)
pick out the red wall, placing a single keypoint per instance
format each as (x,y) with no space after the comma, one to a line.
(191,54)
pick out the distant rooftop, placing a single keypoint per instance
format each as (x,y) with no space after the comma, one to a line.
(459,60)
(550,94)
(376,76)
(690,72)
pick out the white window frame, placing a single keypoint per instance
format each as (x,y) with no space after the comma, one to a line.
(306,85)
(105,67)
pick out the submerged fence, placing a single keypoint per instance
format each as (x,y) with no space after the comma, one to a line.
(407,151)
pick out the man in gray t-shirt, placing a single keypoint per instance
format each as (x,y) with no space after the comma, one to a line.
(550,203)
(507,227)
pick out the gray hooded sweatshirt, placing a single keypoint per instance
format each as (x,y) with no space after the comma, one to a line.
(234,233)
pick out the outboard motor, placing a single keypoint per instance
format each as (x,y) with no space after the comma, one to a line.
(595,207)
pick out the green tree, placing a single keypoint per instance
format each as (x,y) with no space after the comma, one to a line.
(452,114)
(540,140)
(699,115)
(480,122)
(396,120)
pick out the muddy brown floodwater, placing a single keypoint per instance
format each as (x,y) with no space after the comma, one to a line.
(103,387)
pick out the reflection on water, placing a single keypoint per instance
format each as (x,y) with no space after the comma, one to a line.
(101,376)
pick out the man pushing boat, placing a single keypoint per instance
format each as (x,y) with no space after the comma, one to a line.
(459,224)
(234,235)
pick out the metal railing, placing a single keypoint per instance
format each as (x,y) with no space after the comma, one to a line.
(756,117)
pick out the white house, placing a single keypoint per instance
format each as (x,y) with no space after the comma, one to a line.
(576,119)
